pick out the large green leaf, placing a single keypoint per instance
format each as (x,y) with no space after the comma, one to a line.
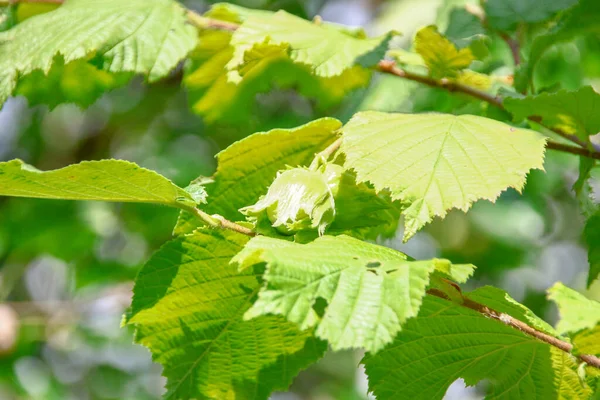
(140,36)
(246,168)
(435,162)
(188,306)
(328,50)
(592,237)
(574,112)
(357,294)
(441,56)
(579,317)
(507,14)
(106,180)
(447,342)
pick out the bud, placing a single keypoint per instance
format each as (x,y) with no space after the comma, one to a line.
(299,199)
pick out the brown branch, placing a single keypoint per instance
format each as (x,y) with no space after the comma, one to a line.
(573,150)
(390,67)
(520,325)
(514,48)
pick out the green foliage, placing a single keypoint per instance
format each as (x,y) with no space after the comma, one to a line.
(247,168)
(447,342)
(216,96)
(339,271)
(106,180)
(573,112)
(145,37)
(592,238)
(290,247)
(508,14)
(579,317)
(327,49)
(447,167)
(188,306)
(440,55)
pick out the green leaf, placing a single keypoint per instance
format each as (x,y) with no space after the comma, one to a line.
(501,302)
(435,162)
(579,20)
(447,342)
(464,28)
(506,15)
(247,168)
(141,36)
(579,317)
(187,307)
(576,311)
(106,180)
(370,290)
(361,212)
(573,112)
(591,234)
(326,49)
(78,82)
(582,187)
(441,55)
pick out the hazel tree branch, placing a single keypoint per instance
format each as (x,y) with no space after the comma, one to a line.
(506,319)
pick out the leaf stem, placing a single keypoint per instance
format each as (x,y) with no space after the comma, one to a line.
(201,22)
(326,153)
(217,221)
(506,319)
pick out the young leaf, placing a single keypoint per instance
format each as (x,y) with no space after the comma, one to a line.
(142,36)
(505,15)
(435,162)
(298,199)
(187,307)
(326,49)
(576,311)
(441,55)
(106,180)
(447,342)
(247,168)
(573,112)
(370,290)
(591,233)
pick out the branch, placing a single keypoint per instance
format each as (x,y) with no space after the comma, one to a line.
(573,150)
(520,325)
(390,67)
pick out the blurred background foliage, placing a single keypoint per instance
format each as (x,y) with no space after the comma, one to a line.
(66,268)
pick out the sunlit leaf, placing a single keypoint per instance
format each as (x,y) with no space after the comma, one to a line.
(188,306)
(141,36)
(106,180)
(441,55)
(382,286)
(435,162)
